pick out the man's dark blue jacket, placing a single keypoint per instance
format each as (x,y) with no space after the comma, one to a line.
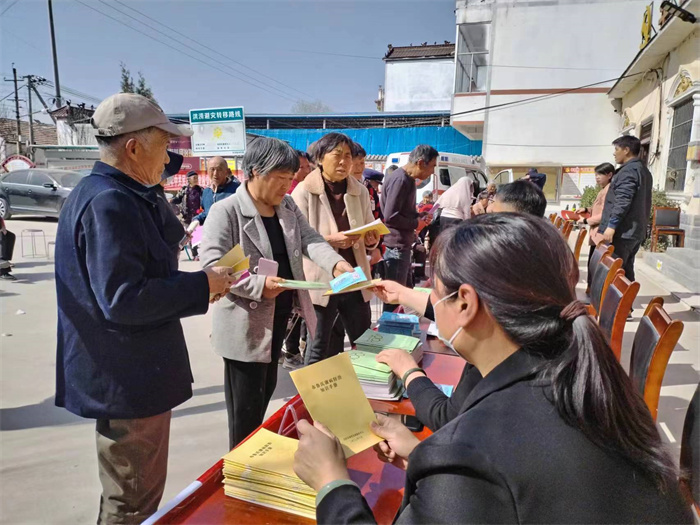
(121,351)
(209,198)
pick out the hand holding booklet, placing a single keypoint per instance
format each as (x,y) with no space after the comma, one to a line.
(374,226)
(333,396)
(350,282)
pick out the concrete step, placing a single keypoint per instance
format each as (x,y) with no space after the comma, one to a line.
(693,244)
(685,255)
(690,220)
(675,269)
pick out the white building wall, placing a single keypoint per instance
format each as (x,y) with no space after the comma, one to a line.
(419,85)
(535,50)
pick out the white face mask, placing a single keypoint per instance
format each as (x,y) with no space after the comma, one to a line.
(447,342)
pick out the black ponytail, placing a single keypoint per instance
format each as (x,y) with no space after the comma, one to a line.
(592,392)
(525,274)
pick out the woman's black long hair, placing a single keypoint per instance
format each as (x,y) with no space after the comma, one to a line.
(525,274)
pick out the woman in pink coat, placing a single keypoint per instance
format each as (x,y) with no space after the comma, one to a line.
(603,175)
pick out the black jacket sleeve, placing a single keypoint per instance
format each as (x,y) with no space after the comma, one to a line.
(117,252)
(433,408)
(344,504)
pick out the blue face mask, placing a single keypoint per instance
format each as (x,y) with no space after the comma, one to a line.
(447,342)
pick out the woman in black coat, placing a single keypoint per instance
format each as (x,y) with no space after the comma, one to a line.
(553,433)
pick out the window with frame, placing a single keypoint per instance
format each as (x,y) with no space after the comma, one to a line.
(472,58)
(678,150)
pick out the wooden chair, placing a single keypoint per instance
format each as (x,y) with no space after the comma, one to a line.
(655,300)
(558,222)
(579,244)
(666,220)
(690,452)
(654,341)
(615,309)
(600,250)
(566,229)
(552,217)
(604,273)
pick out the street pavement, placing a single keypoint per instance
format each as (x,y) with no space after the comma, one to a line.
(48,467)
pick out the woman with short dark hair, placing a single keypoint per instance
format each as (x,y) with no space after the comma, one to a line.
(333,201)
(249,323)
(555,432)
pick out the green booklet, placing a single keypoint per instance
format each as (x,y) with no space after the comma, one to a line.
(304,285)
(367,367)
(372,341)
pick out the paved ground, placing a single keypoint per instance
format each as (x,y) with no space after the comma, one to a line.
(48,470)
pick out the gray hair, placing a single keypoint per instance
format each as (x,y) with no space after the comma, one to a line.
(111,147)
(422,152)
(266,154)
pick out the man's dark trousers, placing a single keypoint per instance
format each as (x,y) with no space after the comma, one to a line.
(626,249)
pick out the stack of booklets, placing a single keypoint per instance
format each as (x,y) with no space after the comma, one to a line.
(399,324)
(377,379)
(260,471)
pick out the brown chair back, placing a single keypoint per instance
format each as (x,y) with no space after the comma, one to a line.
(600,250)
(608,268)
(690,452)
(558,222)
(552,217)
(666,216)
(615,309)
(566,229)
(654,300)
(654,341)
(579,244)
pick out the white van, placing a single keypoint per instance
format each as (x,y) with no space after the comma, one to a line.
(449,169)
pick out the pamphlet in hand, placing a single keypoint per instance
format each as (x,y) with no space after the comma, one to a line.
(304,285)
(377,226)
(237,260)
(350,282)
(333,396)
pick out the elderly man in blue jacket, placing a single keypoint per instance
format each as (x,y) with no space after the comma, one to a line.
(222,184)
(627,204)
(121,353)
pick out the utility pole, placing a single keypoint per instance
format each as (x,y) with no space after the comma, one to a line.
(30,150)
(39,81)
(19,126)
(59,100)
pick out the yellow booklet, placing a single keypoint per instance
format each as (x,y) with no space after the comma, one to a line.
(266,451)
(333,396)
(376,226)
(235,259)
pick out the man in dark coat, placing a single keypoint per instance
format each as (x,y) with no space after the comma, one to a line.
(538,179)
(121,353)
(627,204)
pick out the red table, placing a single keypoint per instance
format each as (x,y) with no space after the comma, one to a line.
(204,502)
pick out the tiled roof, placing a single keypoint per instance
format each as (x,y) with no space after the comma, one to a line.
(446,50)
(43,133)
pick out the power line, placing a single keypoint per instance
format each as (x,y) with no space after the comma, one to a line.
(213,50)
(217,66)
(513,66)
(9,7)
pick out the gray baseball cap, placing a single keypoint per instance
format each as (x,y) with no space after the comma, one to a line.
(128,112)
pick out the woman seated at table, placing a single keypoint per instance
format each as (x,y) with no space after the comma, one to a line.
(249,323)
(333,202)
(555,432)
(433,408)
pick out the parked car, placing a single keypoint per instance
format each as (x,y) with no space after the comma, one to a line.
(36,191)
